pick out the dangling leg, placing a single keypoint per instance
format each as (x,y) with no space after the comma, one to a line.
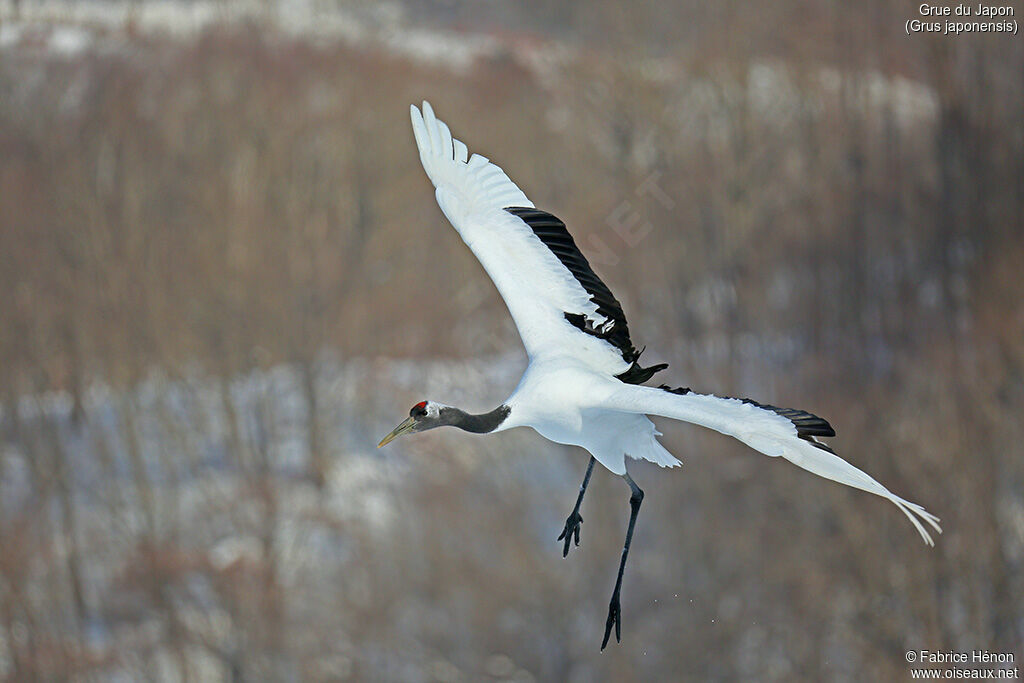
(614,610)
(572,524)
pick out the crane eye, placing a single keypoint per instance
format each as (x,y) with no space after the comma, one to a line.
(419,410)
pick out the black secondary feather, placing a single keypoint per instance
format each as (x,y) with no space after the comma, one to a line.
(808,425)
(612,326)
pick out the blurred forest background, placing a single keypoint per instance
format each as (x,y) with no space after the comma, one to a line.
(224,277)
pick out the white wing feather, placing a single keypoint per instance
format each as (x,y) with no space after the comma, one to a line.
(538,290)
(764,431)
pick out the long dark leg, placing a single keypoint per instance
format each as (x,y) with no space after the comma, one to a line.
(614,610)
(572,524)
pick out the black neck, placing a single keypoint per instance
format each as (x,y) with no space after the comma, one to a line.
(478,424)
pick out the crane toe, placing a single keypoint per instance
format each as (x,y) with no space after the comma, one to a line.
(571,530)
(614,618)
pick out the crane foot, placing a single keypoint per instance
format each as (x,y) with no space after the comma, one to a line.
(614,618)
(571,530)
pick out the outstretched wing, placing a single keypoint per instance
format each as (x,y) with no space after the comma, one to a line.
(791,434)
(559,305)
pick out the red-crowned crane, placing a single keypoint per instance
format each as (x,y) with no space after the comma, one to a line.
(582,383)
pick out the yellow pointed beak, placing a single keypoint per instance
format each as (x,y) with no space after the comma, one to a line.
(397,432)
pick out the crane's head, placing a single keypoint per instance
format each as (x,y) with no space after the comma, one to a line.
(423,416)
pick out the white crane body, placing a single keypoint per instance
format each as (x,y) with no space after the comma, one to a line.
(582,385)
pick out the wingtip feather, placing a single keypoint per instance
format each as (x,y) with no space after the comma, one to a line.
(447,149)
(474,184)
(915,513)
(419,130)
(461,151)
(433,132)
